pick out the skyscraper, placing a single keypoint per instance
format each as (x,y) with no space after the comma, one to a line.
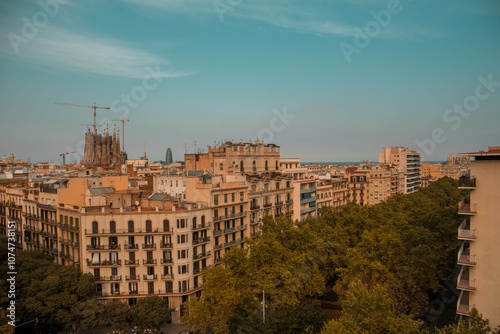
(169,159)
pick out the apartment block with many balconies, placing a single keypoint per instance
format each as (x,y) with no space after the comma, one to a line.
(478,280)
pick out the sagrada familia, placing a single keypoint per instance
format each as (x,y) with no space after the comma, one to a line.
(103,149)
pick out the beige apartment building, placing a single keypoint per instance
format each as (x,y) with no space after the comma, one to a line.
(237,158)
(332,193)
(478,281)
(408,161)
(379,182)
(359,186)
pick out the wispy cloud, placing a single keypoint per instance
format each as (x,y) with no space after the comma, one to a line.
(66,50)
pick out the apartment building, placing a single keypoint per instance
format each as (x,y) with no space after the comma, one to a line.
(409,162)
(236,158)
(332,193)
(358,185)
(304,199)
(269,195)
(478,255)
(379,182)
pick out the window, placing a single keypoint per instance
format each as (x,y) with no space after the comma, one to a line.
(95,227)
(216,199)
(130,226)
(265,166)
(241,197)
(232,197)
(225,198)
(221,166)
(166,225)
(254,166)
(277,166)
(112,226)
(194,222)
(148,226)
(203,220)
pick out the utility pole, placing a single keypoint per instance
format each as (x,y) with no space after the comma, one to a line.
(263,306)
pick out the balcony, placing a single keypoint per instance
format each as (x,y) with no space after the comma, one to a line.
(307,190)
(131,262)
(149,277)
(103,247)
(254,207)
(231,216)
(132,278)
(109,278)
(201,240)
(465,207)
(467,182)
(465,232)
(307,200)
(149,261)
(463,303)
(201,255)
(201,227)
(131,246)
(165,245)
(167,260)
(148,246)
(217,232)
(307,210)
(466,285)
(268,205)
(256,233)
(167,276)
(219,246)
(234,242)
(465,258)
(241,227)
(104,263)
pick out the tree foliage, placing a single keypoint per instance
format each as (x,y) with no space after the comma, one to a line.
(475,324)
(370,311)
(151,312)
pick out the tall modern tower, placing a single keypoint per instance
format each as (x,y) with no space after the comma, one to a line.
(169,159)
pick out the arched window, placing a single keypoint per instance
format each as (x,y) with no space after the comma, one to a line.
(166,225)
(148,226)
(112,226)
(130,226)
(266,167)
(95,227)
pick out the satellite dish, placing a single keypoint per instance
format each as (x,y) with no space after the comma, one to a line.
(137,203)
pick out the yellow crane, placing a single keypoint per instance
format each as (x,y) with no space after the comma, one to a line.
(123,120)
(93,107)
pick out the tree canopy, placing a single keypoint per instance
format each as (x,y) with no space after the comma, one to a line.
(391,255)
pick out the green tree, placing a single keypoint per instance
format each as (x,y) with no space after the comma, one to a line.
(151,312)
(474,325)
(370,311)
(90,314)
(117,314)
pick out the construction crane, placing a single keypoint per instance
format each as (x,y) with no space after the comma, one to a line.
(123,120)
(89,125)
(64,156)
(93,107)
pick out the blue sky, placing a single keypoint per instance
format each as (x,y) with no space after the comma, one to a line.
(224,69)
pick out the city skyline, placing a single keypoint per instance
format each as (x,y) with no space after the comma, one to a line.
(298,75)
